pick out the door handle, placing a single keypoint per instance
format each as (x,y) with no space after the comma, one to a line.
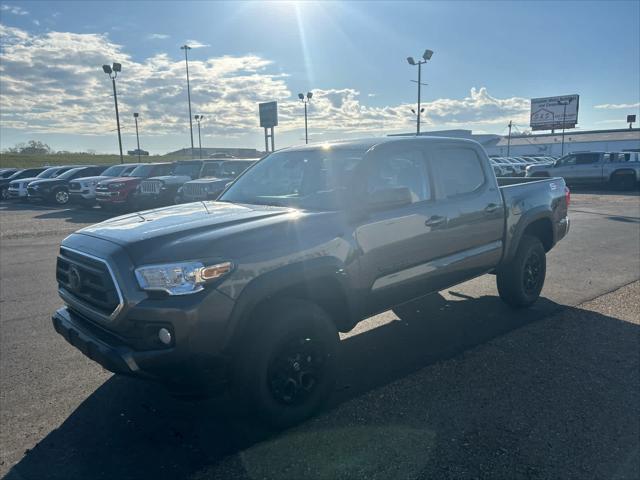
(435,220)
(492,207)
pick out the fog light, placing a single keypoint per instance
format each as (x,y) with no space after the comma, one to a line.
(165,336)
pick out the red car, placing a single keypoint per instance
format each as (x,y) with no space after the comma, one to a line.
(120,191)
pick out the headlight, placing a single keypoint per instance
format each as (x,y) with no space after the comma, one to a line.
(179,278)
(116,186)
(89,184)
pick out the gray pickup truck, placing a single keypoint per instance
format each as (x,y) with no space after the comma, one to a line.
(249,292)
(619,169)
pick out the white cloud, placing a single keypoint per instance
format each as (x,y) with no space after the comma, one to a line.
(157,36)
(53,83)
(36,23)
(617,106)
(13,9)
(196,44)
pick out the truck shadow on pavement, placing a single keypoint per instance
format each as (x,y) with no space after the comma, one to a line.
(556,399)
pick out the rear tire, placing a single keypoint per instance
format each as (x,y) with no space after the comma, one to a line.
(521,280)
(286,365)
(623,182)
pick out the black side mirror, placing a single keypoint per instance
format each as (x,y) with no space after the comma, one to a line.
(389,198)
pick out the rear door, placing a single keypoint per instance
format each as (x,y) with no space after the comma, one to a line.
(467,194)
(588,168)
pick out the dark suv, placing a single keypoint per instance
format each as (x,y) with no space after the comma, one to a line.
(56,190)
(163,190)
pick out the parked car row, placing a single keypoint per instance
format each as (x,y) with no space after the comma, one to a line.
(517,166)
(126,186)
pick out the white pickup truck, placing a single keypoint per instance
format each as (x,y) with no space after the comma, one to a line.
(620,169)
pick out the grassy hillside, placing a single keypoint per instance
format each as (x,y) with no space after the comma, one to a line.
(18,160)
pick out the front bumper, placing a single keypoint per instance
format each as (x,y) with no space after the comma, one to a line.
(17,192)
(85,195)
(168,366)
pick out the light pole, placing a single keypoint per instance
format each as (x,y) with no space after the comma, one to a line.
(112,71)
(135,117)
(509,140)
(186,48)
(305,101)
(199,118)
(425,57)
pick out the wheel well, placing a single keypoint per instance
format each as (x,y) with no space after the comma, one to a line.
(619,173)
(542,229)
(325,292)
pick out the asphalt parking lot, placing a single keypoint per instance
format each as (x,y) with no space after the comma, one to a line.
(455,385)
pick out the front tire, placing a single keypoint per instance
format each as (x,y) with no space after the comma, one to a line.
(4,194)
(521,280)
(61,197)
(287,363)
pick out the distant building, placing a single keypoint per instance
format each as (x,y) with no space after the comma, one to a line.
(548,143)
(210,151)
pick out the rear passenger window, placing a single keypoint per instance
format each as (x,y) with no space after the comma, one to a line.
(459,171)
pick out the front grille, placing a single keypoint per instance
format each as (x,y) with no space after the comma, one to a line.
(195,190)
(74,186)
(150,186)
(87,281)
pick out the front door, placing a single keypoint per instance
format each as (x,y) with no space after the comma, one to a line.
(396,244)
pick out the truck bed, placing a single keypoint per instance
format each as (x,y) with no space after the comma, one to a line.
(526,200)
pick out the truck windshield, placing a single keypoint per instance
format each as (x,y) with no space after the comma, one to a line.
(189,169)
(142,171)
(114,171)
(314,179)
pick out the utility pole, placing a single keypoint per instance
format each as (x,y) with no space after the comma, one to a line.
(564,121)
(509,139)
(135,116)
(186,48)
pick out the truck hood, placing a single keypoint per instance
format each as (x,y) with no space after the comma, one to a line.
(47,182)
(97,178)
(171,228)
(208,180)
(26,180)
(120,179)
(172,179)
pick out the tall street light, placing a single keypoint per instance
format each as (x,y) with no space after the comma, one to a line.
(425,57)
(135,117)
(305,100)
(186,48)
(113,71)
(199,118)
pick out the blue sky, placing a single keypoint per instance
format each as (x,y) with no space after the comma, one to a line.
(490,59)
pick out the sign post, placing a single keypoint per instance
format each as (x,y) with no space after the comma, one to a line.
(268,120)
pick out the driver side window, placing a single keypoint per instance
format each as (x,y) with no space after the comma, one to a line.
(566,161)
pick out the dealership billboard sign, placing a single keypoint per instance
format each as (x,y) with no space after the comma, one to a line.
(268,114)
(554,113)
